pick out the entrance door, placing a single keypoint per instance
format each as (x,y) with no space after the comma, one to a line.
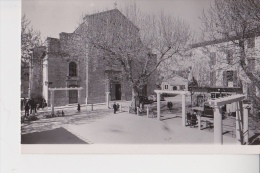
(118,91)
(73,95)
(115,91)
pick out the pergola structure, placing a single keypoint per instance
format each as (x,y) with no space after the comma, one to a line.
(183,93)
(61,89)
(242,133)
(241,124)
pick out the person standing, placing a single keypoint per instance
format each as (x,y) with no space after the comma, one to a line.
(78,107)
(30,105)
(33,106)
(114,107)
(26,108)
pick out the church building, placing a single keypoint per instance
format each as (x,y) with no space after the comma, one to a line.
(70,61)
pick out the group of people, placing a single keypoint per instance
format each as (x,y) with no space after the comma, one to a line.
(115,107)
(30,106)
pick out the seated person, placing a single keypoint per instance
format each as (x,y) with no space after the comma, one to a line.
(193,119)
(188,118)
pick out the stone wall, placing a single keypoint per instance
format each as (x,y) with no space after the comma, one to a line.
(35,73)
(69,48)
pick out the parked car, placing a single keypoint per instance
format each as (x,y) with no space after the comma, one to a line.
(145,100)
(209,111)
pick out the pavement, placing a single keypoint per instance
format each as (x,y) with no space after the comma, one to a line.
(124,128)
(102,126)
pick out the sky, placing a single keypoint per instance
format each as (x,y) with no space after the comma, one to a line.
(56,16)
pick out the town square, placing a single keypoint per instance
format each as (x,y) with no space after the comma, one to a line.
(129,86)
(130,75)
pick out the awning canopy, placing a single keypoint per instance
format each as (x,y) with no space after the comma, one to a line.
(216,89)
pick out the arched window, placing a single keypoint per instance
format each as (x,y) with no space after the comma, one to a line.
(72,69)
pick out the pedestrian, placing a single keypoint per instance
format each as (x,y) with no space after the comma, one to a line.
(23,102)
(115,107)
(62,113)
(22,105)
(58,113)
(43,103)
(33,106)
(30,105)
(26,108)
(78,107)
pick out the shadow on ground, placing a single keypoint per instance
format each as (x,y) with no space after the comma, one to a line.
(44,124)
(254,140)
(55,136)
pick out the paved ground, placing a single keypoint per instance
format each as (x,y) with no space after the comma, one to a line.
(102,126)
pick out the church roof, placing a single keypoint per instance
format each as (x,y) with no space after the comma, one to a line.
(107,13)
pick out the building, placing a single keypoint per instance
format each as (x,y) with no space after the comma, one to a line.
(219,63)
(71,61)
(175,83)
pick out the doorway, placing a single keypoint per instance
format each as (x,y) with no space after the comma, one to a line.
(115,91)
(73,95)
(118,91)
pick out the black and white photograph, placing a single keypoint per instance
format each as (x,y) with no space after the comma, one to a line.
(129,86)
(140,72)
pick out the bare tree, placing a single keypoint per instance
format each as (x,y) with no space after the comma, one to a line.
(235,23)
(138,44)
(30,39)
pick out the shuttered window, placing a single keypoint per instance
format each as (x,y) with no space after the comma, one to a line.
(225,82)
(230,76)
(229,57)
(213,78)
(235,81)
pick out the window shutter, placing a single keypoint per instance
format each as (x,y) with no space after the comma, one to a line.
(235,83)
(229,57)
(225,79)
(212,78)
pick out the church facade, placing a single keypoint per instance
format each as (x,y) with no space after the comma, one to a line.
(69,61)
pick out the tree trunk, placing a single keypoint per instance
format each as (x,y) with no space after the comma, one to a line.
(135,99)
(254,80)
